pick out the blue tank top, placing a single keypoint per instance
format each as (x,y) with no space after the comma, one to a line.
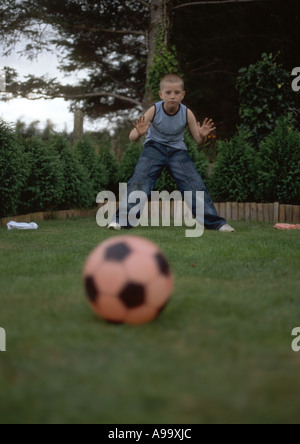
(168,129)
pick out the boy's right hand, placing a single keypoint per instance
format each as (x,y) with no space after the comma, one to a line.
(141,126)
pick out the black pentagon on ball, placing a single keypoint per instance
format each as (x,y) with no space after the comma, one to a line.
(133,295)
(117,252)
(162,264)
(91,289)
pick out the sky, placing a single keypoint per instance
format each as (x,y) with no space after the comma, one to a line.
(56,110)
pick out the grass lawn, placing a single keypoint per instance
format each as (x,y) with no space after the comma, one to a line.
(219,353)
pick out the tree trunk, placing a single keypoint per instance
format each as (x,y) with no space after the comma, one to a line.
(78,125)
(160,21)
(2,81)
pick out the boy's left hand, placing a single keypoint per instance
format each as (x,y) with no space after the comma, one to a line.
(207,128)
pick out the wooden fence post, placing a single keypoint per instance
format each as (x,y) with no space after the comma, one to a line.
(247,212)
(228,210)
(266,212)
(235,211)
(276,212)
(288,213)
(253,212)
(271,212)
(241,211)
(260,213)
(223,210)
(296,214)
(281,213)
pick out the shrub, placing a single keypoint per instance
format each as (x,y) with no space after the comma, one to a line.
(86,155)
(233,177)
(43,190)
(265,94)
(77,189)
(279,164)
(110,165)
(13,170)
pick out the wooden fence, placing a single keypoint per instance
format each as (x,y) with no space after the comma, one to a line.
(256,212)
(37,217)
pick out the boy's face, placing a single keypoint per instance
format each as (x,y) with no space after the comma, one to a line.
(172,94)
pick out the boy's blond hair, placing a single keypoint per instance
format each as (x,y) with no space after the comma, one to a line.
(171,78)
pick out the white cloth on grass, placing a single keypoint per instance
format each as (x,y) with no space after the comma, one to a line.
(21,226)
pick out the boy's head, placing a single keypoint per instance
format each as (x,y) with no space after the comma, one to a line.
(171,78)
(172,92)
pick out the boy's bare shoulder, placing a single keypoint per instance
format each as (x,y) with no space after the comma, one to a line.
(190,114)
(149,115)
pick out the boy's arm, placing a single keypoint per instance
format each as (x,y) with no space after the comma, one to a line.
(142,125)
(199,132)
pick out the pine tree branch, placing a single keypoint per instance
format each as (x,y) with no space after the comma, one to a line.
(144,3)
(36,88)
(39,96)
(124,31)
(101,94)
(111,31)
(216,2)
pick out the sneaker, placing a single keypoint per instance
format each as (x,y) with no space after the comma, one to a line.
(114,226)
(226,228)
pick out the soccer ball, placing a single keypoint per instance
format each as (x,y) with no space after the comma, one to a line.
(127,280)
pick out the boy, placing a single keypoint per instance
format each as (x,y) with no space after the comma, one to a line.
(164,123)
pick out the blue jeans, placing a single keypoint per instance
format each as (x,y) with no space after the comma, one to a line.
(181,167)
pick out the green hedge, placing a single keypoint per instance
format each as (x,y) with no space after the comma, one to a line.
(50,174)
(265,95)
(270,173)
(234,175)
(77,188)
(13,170)
(44,186)
(86,154)
(278,165)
